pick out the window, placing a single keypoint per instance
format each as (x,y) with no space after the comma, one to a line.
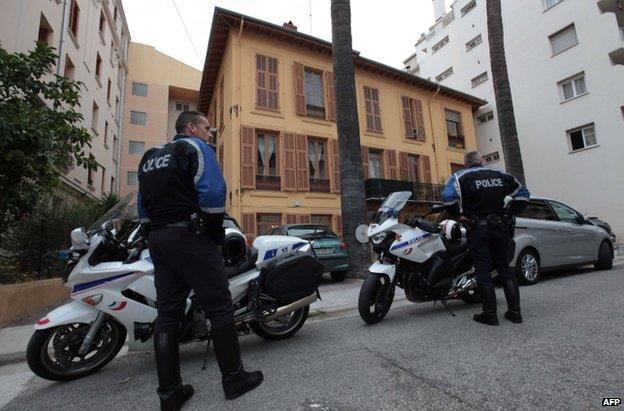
(456,167)
(564,213)
(102,25)
(468,7)
(266,222)
(45,31)
(182,106)
(136,147)
(550,3)
(413,119)
(474,42)
(373,112)
(322,220)
(572,87)
(108,91)
(106,133)
(622,109)
(582,137)
(138,118)
(375,164)
(439,45)
(445,74)
(115,13)
(95,114)
(267,95)
(538,210)
(317,163)
(103,181)
(314,93)
(133,178)
(117,110)
(480,79)
(413,173)
(90,171)
(484,118)
(115,143)
(98,67)
(221,102)
(491,157)
(74,15)
(563,39)
(112,184)
(267,175)
(70,69)
(454,129)
(139,89)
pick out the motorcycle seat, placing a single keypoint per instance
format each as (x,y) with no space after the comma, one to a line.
(455,248)
(248,264)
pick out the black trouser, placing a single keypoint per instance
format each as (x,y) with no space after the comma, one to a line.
(185,262)
(490,248)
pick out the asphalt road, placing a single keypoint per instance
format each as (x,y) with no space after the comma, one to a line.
(567,355)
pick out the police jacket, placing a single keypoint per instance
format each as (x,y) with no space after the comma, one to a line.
(477,191)
(179,179)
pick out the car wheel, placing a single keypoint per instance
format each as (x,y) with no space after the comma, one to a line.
(605,257)
(338,276)
(527,267)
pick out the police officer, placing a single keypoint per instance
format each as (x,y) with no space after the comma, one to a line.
(182,199)
(477,194)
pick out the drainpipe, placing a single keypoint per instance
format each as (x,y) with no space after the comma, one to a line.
(433,129)
(62,40)
(238,119)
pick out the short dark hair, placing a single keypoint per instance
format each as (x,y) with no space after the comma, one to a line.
(186,117)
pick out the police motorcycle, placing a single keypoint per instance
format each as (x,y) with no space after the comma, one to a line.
(111,278)
(429,261)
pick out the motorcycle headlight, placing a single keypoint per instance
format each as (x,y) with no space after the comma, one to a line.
(379,238)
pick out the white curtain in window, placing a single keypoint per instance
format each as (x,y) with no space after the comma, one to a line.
(271,147)
(262,155)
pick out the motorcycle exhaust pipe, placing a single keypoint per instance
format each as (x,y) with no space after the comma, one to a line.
(287,309)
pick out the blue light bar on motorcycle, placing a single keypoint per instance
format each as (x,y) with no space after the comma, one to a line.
(64,255)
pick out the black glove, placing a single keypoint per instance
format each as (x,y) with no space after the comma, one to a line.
(146,228)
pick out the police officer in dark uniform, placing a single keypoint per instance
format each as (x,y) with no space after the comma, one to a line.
(477,194)
(182,202)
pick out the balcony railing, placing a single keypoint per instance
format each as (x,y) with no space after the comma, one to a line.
(268,183)
(319,185)
(457,141)
(379,188)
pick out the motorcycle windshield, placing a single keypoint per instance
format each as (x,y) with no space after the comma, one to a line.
(392,206)
(119,211)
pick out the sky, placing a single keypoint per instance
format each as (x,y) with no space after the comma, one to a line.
(382,30)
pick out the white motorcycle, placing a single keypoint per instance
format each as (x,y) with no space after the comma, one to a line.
(429,261)
(114,297)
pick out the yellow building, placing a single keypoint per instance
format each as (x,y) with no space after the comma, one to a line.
(269,90)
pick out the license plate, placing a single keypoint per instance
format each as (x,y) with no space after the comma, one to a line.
(324,251)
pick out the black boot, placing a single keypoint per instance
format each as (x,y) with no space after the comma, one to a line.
(170,389)
(488,302)
(236,381)
(512,295)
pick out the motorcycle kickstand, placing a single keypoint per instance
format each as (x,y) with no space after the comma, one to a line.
(445,304)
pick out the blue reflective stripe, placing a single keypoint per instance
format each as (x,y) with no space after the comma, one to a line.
(270,254)
(91,284)
(401,245)
(298,245)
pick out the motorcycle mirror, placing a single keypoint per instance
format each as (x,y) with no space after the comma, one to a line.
(361,233)
(437,208)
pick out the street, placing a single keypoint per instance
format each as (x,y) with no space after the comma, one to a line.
(566,355)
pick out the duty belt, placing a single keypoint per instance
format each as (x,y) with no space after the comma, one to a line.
(171,225)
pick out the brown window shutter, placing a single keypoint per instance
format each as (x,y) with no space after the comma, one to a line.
(420,120)
(407,117)
(404,171)
(335,164)
(303,180)
(391,161)
(273,86)
(376,110)
(261,81)
(303,219)
(248,158)
(290,218)
(425,166)
(289,174)
(368,108)
(330,90)
(365,162)
(338,224)
(249,226)
(300,105)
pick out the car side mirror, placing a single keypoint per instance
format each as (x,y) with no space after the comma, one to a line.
(581,219)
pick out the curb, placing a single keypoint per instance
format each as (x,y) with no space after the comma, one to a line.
(12,358)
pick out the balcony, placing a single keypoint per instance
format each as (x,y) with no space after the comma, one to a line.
(272,183)
(613,6)
(376,188)
(318,185)
(456,141)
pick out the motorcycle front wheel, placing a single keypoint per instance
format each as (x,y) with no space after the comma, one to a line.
(281,327)
(376,296)
(53,353)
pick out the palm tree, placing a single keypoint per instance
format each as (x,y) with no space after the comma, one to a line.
(502,91)
(352,195)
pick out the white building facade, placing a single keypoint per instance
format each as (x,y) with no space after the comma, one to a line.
(91,38)
(566,68)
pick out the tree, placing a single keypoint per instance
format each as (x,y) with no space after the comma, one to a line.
(502,91)
(352,195)
(39,128)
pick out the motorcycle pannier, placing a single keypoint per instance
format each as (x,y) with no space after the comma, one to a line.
(291,279)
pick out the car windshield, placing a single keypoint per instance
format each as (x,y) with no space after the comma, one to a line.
(120,210)
(391,206)
(309,232)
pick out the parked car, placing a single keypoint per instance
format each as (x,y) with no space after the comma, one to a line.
(329,249)
(604,225)
(550,235)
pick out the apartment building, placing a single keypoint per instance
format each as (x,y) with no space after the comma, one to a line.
(159,89)
(270,92)
(91,38)
(566,68)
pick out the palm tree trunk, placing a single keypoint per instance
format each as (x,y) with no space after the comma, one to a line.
(502,91)
(352,195)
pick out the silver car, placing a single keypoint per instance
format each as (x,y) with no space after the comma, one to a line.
(550,235)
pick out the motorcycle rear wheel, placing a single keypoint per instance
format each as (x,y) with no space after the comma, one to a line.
(53,353)
(376,296)
(281,327)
